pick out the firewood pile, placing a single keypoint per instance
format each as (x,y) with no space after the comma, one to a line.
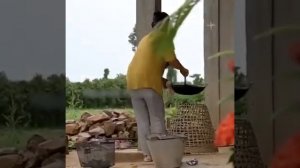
(108,124)
(39,152)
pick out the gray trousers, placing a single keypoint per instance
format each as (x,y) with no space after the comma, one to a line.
(149,111)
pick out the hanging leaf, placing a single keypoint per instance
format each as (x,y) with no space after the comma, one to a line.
(231,159)
(166,31)
(227,98)
(276,30)
(293,107)
(222,54)
(226,79)
(295,75)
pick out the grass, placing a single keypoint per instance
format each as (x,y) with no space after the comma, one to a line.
(18,138)
(74,114)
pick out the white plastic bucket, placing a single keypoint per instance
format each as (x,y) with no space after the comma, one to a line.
(167,152)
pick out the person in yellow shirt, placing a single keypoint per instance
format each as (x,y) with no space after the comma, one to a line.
(145,84)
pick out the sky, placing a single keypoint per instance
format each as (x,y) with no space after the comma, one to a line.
(32,38)
(97,37)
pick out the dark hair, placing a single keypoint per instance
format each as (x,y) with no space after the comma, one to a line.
(158,16)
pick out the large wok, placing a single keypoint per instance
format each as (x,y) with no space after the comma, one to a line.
(241,91)
(186,89)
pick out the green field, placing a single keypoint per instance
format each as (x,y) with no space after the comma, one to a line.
(19,137)
(74,114)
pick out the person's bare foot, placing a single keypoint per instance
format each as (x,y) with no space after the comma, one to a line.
(147,158)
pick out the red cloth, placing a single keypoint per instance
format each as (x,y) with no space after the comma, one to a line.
(294,52)
(288,155)
(231,65)
(225,133)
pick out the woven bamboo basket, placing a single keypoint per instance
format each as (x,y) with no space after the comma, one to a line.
(246,152)
(193,121)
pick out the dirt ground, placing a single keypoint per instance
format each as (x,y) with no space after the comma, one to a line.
(216,160)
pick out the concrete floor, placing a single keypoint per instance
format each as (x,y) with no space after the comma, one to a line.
(215,160)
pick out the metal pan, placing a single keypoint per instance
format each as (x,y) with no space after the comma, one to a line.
(186,89)
(240,92)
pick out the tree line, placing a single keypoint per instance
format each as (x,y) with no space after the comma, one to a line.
(42,101)
(39,102)
(108,92)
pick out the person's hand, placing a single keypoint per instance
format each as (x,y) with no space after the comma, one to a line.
(184,72)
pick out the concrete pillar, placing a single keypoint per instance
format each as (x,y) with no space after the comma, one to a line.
(240,35)
(259,71)
(218,36)
(226,29)
(286,91)
(267,60)
(211,67)
(144,13)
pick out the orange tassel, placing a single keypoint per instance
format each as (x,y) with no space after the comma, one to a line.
(225,133)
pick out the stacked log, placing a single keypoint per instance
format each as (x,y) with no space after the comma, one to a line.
(108,124)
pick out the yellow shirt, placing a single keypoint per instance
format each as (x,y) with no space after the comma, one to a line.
(147,66)
(155,50)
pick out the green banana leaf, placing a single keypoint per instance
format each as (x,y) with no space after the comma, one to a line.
(168,28)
